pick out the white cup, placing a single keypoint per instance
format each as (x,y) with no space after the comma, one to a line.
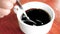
(28,29)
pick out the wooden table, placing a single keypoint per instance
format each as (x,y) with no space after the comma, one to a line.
(9,24)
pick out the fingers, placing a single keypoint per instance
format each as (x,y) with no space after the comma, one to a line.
(13,1)
(7,4)
(4,12)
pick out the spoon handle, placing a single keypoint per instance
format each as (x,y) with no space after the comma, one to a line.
(19,4)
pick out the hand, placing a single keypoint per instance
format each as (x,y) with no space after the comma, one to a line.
(5,6)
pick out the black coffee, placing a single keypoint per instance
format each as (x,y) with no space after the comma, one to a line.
(39,16)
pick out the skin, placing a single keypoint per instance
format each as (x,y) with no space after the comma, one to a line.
(12,23)
(5,7)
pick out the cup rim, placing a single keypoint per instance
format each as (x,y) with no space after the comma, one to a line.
(37,2)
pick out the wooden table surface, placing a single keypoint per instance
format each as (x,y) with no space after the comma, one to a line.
(9,24)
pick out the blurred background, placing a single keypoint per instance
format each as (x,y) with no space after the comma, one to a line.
(9,24)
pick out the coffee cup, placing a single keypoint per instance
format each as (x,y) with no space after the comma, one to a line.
(33,29)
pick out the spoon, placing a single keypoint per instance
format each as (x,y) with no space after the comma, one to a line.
(19,4)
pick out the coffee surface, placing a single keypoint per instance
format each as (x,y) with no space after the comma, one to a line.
(39,16)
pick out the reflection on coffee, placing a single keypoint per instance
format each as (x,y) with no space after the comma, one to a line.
(39,16)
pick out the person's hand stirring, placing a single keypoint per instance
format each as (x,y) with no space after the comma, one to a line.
(5,6)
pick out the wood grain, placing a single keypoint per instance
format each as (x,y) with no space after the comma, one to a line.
(9,24)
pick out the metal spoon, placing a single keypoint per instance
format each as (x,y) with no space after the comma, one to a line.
(19,4)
